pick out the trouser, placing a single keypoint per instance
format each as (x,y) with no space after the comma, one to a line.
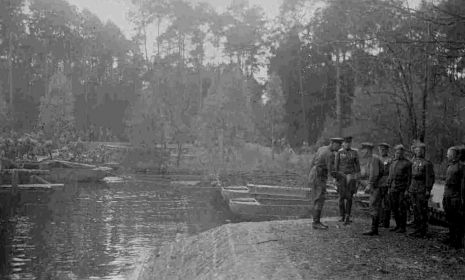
(399,208)
(453,209)
(420,210)
(347,186)
(375,207)
(318,186)
(385,211)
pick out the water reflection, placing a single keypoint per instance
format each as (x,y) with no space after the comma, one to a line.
(98,231)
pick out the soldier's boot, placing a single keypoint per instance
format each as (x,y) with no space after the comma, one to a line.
(420,230)
(374,227)
(348,212)
(386,219)
(316,220)
(342,209)
(347,220)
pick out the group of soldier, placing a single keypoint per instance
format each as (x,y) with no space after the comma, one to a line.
(394,184)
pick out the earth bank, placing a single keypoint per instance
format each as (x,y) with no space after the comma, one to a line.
(293,250)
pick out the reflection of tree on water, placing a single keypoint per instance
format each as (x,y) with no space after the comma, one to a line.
(8,202)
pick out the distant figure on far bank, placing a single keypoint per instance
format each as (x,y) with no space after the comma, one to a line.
(347,168)
(321,167)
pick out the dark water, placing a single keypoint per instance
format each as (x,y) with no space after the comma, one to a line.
(99,231)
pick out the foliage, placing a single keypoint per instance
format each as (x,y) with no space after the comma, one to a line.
(57,107)
(225,118)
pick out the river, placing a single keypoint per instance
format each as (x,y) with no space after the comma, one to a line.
(101,231)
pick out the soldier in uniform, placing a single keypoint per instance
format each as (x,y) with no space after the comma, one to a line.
(453,197)
(400,176)
(375,172)
(385,215)
(321,167)
(420,189)
(347,168)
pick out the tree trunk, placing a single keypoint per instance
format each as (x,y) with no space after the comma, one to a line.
(302,99)
(10,69)
(272,140)
(221,146)
(425,95)
(338,96)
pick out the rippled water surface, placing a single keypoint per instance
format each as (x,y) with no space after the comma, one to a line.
(99,231)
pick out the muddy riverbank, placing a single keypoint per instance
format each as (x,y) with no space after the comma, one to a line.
(293,250)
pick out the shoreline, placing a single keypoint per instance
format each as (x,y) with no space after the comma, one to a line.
(291,249)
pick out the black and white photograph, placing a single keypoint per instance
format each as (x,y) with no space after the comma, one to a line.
(232,139)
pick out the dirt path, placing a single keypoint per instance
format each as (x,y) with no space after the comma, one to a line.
(293,250)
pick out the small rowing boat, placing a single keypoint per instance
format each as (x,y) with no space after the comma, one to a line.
(265,209)
(66,171)
(268,191)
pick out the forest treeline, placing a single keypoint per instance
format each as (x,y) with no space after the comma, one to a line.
(378,70)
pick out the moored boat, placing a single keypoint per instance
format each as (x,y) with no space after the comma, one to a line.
(65,171)
(263,209)
(268,191)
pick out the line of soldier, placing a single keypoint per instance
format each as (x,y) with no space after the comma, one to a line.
(392,182)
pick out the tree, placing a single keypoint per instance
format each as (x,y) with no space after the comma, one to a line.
(57,107)
(274,108)
(226,116)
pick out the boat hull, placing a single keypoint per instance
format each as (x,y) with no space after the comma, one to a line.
(67,175)
(251,209)
(265,191)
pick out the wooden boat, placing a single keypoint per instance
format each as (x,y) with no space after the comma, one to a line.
(66,171)
(268,191)
(25,179)
(264,209)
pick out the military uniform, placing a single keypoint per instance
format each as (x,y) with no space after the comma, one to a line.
(383,185)
(400,175)
(419,191)
(321,167)
(347,165)
(375,172)
(452,201)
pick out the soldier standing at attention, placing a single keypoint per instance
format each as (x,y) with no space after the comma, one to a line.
(400,176)
(321,167)
(347,168)
(383,149)
(375,172)
(420,189)
(452,201)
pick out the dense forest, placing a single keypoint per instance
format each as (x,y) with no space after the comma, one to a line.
(375,69)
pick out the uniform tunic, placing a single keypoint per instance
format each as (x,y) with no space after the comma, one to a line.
(375,171)
(383,183)
(452,201)
(422,183)
(400,175)
(347,164)
(322,165)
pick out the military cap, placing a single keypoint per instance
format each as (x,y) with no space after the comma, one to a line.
(367,145)
(399,147)
(347,139)
(337,139)
(386,145)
